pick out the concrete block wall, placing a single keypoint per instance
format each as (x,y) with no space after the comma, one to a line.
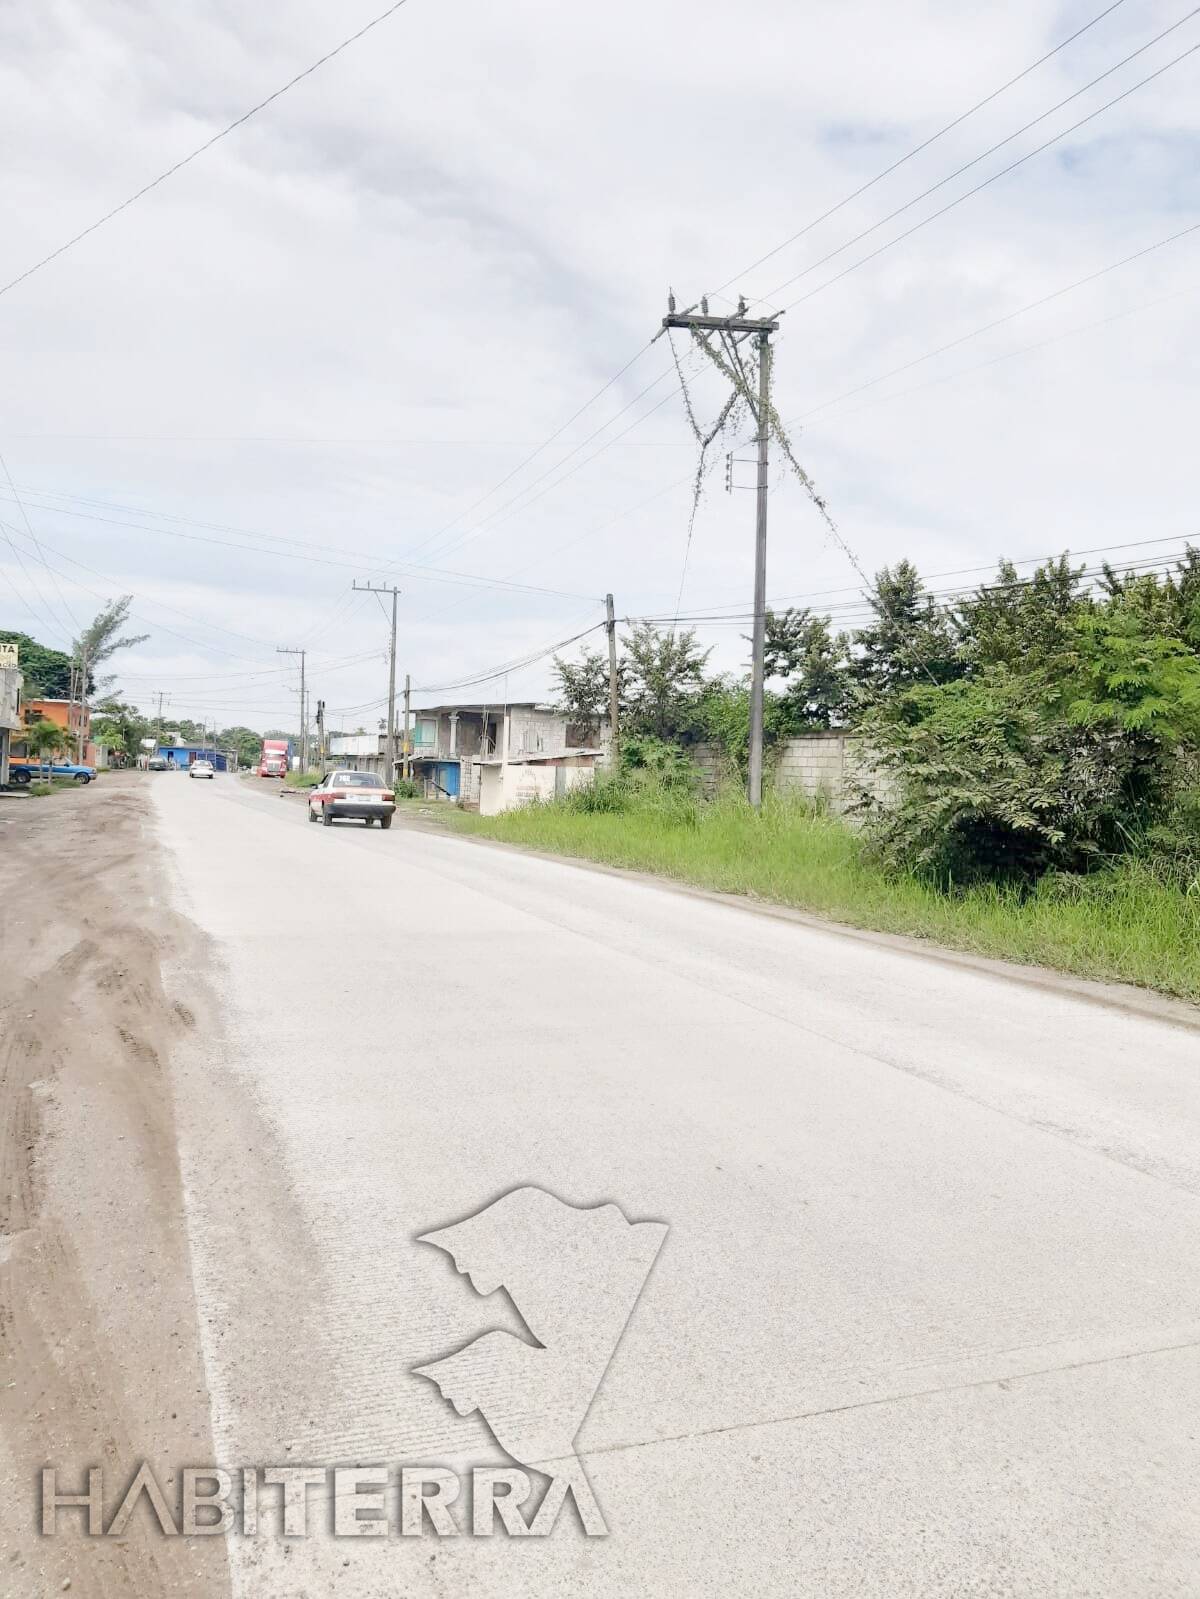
(832,765)
(535,732)
(710,763)
(814,764)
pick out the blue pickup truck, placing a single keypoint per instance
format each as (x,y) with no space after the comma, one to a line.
(21,771)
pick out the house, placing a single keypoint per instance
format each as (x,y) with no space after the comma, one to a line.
(10,700)
(451,745)
(67,714)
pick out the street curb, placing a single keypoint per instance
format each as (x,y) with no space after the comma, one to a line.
(1124,997)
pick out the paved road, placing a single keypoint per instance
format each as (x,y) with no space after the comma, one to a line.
(927,1318)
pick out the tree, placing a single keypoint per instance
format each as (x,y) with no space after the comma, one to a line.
(1022,622)
(666,672)
(244,741)
(47,672)
(1169,605)
(910,641)
(1142,683)
(1046,763)
(100,641)
(802,650)
(583,688)
(120,726)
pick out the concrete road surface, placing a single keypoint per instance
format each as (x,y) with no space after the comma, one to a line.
(927,1317)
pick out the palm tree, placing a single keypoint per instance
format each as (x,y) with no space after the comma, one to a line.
(42,739)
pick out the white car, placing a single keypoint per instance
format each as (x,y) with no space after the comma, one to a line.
(352,794)
(202,769)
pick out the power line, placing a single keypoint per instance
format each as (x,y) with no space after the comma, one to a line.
(200,149)
(73,619)
(987,182)
(533,455)
(962,117)
(134,616)
(515,665)
(492,516)
(1021,160)
(999,322)
(431,574)
(969,571)
(917,149)
(847,611)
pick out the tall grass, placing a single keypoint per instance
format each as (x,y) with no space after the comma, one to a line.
(1126,924)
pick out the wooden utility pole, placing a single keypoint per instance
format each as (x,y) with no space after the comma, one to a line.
(407,715)
(303,709)
(381,588)
(732,330)
(614,697)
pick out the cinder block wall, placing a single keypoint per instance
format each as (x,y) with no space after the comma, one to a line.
(831,765)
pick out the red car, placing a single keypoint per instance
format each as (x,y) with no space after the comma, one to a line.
(354,794)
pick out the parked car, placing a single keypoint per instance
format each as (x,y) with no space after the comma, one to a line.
(202,769)
(24,771)
(360,794)
(157,763)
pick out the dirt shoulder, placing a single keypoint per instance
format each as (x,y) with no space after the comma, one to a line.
(98,1328)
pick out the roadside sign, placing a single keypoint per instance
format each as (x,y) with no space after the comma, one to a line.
(8,654)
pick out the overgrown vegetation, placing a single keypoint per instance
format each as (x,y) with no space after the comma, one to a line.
(1129,923)
(1034,759)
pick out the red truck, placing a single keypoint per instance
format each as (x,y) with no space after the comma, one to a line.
(274,758)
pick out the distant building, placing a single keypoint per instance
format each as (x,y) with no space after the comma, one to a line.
(450,745)
(181,754)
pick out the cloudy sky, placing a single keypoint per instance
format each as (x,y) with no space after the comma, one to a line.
(329,347)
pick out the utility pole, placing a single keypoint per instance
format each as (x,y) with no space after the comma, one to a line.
(160,700)
(83,671)
(303,709)
(733,330)
(321,734)
(614,698)
(380,588)
(407,715)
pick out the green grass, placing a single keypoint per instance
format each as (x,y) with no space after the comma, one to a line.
(1124,924)
(53,785)
(301,779)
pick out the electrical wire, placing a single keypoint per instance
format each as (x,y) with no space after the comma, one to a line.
(986,183)
(917,149)
(999,322)
(200,149)
(925,144)
(424,574)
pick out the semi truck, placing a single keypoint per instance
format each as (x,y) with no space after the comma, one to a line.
(275,757)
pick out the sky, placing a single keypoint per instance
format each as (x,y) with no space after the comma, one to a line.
(349,342)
